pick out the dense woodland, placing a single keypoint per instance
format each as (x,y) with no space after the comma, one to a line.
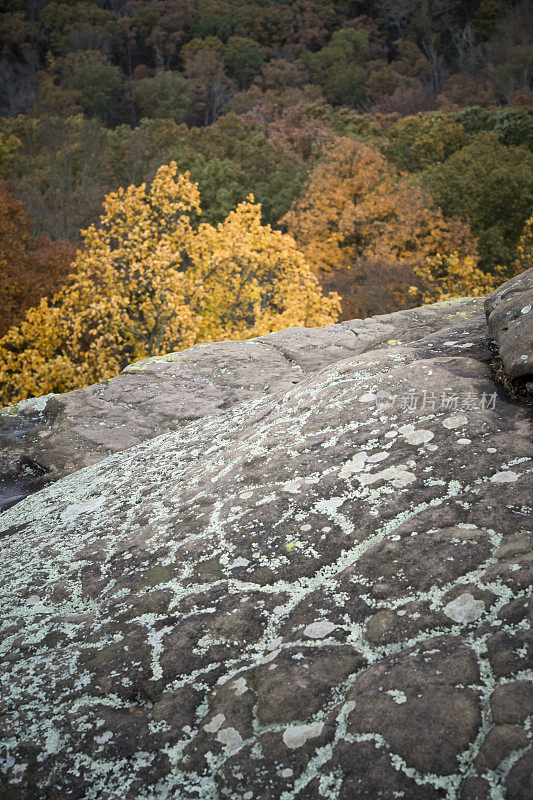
(176,171)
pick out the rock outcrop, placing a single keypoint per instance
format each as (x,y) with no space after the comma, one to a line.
(510,323)
(52,436)
(304,573)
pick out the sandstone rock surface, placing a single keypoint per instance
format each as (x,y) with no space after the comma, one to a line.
(46,438)
(319,587)
(509,313)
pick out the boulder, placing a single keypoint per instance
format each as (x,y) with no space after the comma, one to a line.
(303,574)
(509,312)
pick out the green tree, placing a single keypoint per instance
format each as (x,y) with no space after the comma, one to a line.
(59,169)
(514,126)
(418,141)
(168,95)
(214,19)
(335,69)
(511,126)
(93,80)
(490,185)
(261,165)
(243,58)
(156,30)
(78,26)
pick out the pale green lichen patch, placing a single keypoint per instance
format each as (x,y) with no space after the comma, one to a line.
(146,365)
(33,405)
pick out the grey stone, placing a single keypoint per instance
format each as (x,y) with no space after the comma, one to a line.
(251,602)
(509,312)
(512,702)
(63,433)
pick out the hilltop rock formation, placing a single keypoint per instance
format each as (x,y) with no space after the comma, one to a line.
(303,574)
(45,438)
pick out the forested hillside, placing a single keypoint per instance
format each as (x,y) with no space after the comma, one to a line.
(189,59)
(383,149)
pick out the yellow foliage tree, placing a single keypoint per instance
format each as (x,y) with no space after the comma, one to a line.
(524,251)
(444,277)
(148,280)
(254,279)
(358,211)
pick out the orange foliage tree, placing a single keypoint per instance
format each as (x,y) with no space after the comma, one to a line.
(29,267)
(360,214)
(150,280)
(443,277)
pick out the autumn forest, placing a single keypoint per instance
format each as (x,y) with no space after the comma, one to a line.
(184,171)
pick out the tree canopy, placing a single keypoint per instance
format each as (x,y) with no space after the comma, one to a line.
(149,280)
(393,142)
(359,213)
(491,186)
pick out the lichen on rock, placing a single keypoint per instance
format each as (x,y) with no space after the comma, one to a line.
(299,593)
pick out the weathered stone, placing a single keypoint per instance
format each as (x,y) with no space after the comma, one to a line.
(512,702)
(421,689)
(63,433)
(509,312)
(500,742)
(302,592)
(475,788)
(520,778)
